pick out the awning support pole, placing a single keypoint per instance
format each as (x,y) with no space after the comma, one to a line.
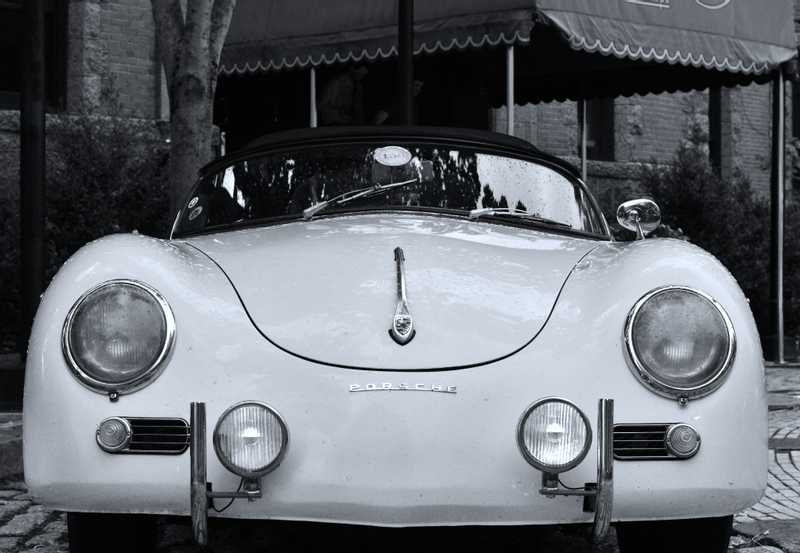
(584,137)
(510,89)
(32,170)
(405,51)
(777,211)
(312,95)
(715,128)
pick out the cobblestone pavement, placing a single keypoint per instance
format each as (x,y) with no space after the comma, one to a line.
(25,526)
(10,445)
(781,500)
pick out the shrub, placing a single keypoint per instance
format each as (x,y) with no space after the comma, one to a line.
(104,175)
(9,273)
(722,217)
(108,176)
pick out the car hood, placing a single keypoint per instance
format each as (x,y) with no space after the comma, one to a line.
(326,289)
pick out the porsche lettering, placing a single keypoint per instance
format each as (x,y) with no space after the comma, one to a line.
(403,387)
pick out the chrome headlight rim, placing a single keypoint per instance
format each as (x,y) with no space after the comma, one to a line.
(650,380)
(535,462)
(142,379)
(275,462)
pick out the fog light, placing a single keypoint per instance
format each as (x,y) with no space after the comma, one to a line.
(113,434)
(682,441)
(554,435)
(250,439)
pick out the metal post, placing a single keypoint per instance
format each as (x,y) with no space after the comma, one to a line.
(510,89)
(198,478)
(776,212)
(715,128)
(405,51)
(312,93)
(32,168)
(605,469)
(584,136)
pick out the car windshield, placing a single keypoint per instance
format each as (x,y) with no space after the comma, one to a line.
(274,187)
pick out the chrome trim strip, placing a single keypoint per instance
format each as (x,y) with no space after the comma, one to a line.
(604,502)
(198,503)
(535,462)
(402,330)
(269,468)
(658,428)
(651,381)
(143,378)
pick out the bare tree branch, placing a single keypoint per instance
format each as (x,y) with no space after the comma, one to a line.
(220,22)
(168,18)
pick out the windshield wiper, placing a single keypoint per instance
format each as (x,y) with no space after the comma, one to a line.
(350,195)
(483,212)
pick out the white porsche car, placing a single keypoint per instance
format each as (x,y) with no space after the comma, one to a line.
(396,327)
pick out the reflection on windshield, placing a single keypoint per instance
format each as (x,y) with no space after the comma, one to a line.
(284,184)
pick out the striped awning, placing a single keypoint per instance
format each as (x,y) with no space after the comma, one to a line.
(741,36)
(281,34)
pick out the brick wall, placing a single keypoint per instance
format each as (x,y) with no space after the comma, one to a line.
(111,70)
(112,57)
(751,107)
(651,128)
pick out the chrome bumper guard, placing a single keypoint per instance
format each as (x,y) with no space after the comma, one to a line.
(598,496)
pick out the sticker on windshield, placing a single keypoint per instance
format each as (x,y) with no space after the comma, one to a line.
(392,156)
(195,212)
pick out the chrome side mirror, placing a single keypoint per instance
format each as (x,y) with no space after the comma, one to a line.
(641,216)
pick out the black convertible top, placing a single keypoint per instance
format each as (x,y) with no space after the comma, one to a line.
(333,135)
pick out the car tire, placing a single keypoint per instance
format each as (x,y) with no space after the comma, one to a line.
(96,533)
(703,535)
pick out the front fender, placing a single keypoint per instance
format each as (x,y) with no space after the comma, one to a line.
(591,313)
(201,298)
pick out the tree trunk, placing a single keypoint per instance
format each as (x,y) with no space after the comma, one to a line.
(191,130)
(190,36)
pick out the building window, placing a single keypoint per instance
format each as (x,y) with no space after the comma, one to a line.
(600,129)
(12,33)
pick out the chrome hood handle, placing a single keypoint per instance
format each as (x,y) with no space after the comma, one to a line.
(402,329)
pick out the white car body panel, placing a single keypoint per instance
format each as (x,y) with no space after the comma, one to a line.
(496,289)
(404,458)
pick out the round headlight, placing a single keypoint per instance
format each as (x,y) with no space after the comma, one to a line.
(250,439)
(117,336)
(681,342)
(554,435)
